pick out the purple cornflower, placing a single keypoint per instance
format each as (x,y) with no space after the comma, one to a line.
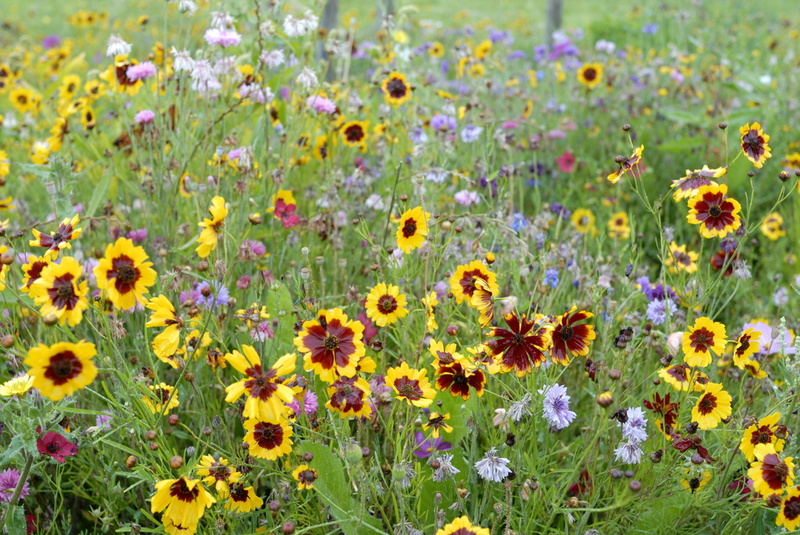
(144,116)
(493,468)
(321,104)
(650,28)
(223,38)
(418,136)
(103,421)
(426,447)
(443,122)
(635,428)
(555,406)
(9,479)
(560,210)
(138,235)
(551,277)
(471,133)
(655,291)
(51,41)
(310,404)
(212,295)
(629,452)
(657,310)
(466,197)
(141,71)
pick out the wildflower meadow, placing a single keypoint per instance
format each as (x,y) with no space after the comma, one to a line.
(396,268)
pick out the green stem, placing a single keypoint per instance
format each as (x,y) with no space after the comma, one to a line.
(17,491)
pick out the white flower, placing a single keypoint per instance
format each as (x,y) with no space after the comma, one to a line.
(629,452)
(273,59)
(221,20)
(117,46)
(375,202)
(266,28)
(307,79)
(293,27)
(493,468)
(187,7)
(311,21)
(183,61)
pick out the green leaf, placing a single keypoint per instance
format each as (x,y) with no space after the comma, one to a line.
(279,304)
(100,194)
(334,490)
(681,116)
(16,525)
(683,144)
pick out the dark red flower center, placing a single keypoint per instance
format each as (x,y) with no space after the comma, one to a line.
(565,332)
(589,74)
(408,388)
(63,367)
(261,384)
(409,228)
(307,476)
(238,492)
(396,88)
(62,293)
(707,404)
(387,304)
(181,491)
(791,508)
(268,435)
(762,435)
(701,339)
(354,133)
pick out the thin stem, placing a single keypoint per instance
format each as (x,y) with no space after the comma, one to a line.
(17,491)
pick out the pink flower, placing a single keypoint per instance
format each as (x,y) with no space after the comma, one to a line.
(223,38)
(509,125)
(321,104)
(310,404)
(141,71)
(566,162)
(144,117)
(466,197)
(286,213)
(56,446)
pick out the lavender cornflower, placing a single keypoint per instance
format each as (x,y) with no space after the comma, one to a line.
(466,197)
(321,104)
(9,479)
(629,452)
(144,116)
(443,122)
(657,310)
(471,133)
(427,447)
(556,406)
(635,428)
(493,468)
(212,295)
(446,469)
(551,277)
(223,38)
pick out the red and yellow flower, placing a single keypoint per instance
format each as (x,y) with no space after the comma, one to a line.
(688,186)
(349,397)
(385,304)
(58,292)
(764,432)
(268,440)
(701,339)
(332,344)
(754,144)
(125,274)
(265,389)
(462,283)
(396,89)
(626,165)
(183,501)
(715,212)
(60,239)
(569,339)
(770,473)
(712,407)
(61,369)
(411,385)
(412,229)
(521,347)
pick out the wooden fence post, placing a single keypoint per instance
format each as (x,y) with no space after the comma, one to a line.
(554,9)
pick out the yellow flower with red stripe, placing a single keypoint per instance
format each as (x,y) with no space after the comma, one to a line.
(61,369)
(411,385)
(58,292)
(754,144)
(385,304)
(715,212)
(265,389)
(763,432)
(396,89)
(701,339)
(332,344)
(712,407)
(770,473)
(412,229)
(125,274)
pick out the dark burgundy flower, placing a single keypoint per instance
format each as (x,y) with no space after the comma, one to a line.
(56,446)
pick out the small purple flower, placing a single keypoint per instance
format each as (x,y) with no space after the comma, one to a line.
(471,133)
(255,247)
(141,71)
(518,222)
(635,428)
(556,406)
(443,123)
(427,447)
(418,136)
(310,404)
(51,41)
(650,28)
(321,104)
(103,421)
(144,117)
(509,125)
(212,295)
(551,277)
(244,282)
(9,479)
(138,235)
(493,468)
(658,310)
(629,452)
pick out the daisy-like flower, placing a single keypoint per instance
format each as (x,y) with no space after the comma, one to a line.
(521,347)
(463,284)
(268,440)
(590,74)
(56,446)
(354,134)
(555,406)
(16,386)
(184,500)
(635,427)
(348,396)
(697,481)
(58,292)
(626,165)
(713,406)
(754,144)
(33,270)
(166,398)
(332,344)
(701,339)
(176,528)
(212,227)
(218,473)
(458,378)
(677,376)
(493,468)
(443,355)
(61,369)
(679,259)
(789,517)
(243,499)
(688,186)
(570,340)
(482,300)
(436,423)
(125,274)
(265,390)
(385,304)
(770,473)
(9,479)
(761,433)
(584,221)
(60,239)
(772,226)
(619,227)
(305,477)
(715,212)
(411,385)
(412,230)
(166,343)
(396,89)
(462,526)
(747,345)
(430,301)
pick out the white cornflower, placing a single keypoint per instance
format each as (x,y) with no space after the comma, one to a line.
(446,469)
(273,59)
(266,28)
(183,61)
(629,452)
(311,21)
(493,468)
(519,409)
(293,27)
(187,7)
(117,46)
(221,20)
(307,79)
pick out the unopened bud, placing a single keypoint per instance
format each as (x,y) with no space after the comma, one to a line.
(176,462)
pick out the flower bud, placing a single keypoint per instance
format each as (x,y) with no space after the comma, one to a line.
(176,462)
